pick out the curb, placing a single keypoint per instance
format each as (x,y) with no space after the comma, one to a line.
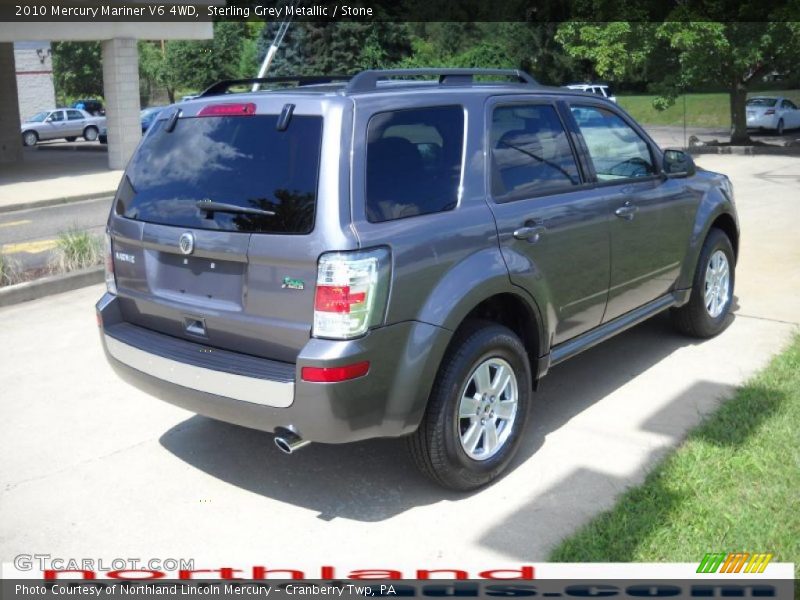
(746,150)
(54,201)
(47,286)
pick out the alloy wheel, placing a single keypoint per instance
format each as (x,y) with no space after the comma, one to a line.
(488,408)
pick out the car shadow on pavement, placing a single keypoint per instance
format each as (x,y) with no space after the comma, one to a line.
(376,480)
(537,526)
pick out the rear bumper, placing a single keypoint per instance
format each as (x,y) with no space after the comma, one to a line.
(387,402)
(765,122)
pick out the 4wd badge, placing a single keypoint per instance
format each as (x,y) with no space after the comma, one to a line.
(293,284)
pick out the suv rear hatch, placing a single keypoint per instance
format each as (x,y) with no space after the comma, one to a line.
(215,229)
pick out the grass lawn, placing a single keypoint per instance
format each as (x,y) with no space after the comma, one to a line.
(702,110)
(733,485)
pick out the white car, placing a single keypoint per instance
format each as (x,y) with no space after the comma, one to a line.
(772,112)
(67,123)
(601,89)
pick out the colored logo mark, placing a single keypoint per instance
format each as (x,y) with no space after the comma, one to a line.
(734,562)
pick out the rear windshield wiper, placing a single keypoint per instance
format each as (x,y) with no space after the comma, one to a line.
(210,207)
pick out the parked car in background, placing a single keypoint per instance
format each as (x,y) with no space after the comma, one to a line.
(93,107)
(146,117)
(772,112)
(149,115)
(344,261)
(67,123)
(601,89)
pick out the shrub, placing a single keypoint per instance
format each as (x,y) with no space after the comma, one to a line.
(76,250)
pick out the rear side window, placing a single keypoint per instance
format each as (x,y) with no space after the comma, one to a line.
(531,155)
(243,161)
(414,162)
(616,150)
(74,115)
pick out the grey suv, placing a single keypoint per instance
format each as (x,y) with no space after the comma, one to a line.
(404,253)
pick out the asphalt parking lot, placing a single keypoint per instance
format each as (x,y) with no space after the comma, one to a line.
(94,468)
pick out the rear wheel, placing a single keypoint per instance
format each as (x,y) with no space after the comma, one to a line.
(477,409)
(90,134)
(706,313)
(29,138)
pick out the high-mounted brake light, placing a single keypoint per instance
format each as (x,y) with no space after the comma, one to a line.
(238,109)
(352,291)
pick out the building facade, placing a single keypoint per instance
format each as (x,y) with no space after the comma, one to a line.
(34,68)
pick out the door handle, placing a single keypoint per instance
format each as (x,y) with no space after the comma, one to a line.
(626,211)
(530,232)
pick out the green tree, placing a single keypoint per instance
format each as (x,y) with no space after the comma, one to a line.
(733,54)
(77,69)
(679,53)
(155,70)
(336,48)
(197,65)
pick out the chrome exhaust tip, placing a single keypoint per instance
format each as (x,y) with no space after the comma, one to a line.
(288,441)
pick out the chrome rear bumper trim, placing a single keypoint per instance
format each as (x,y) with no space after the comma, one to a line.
(239,387)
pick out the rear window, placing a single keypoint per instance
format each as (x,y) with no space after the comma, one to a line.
(762,101)
(242,161)
(414,162)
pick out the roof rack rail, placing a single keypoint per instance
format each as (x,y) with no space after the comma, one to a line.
(221,87)
(366,81)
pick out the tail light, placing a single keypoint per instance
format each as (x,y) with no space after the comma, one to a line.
(770,111)
(111,280)
(352,291)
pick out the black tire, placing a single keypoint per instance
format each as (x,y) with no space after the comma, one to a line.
(436,446)
(693,318)
(71,139)
(30,138)
(90,133)
(780,128)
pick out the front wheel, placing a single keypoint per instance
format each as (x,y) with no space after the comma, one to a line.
(90,134)
(706,313)
(29,138)
(477,409)
(781,127)
(71,139)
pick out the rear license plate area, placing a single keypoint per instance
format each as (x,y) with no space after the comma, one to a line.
(201,281)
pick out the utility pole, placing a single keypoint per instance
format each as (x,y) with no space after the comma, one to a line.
(273,49)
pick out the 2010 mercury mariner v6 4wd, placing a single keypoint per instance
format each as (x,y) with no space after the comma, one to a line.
(401,253)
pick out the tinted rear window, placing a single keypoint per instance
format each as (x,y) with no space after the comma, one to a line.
(242,161)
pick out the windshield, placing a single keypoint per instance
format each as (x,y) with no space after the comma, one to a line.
(762,101)
(243,161)
(38,117)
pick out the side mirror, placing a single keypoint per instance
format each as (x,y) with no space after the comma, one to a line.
(678,163)
(49,119)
